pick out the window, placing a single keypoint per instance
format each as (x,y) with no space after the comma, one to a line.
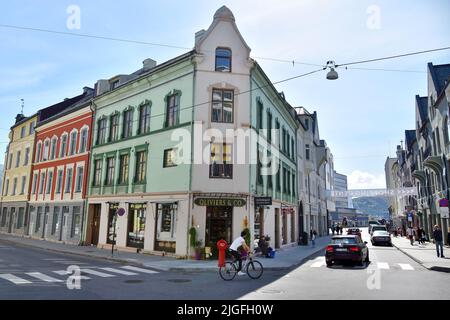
(63,150)
(14,186)
(221,158)
(20,218)
(114,127)
(114,84)
(283,146)
(173,110)
(258,168)
(293,148)
(124,168)
(53,149)
(293,184)
(97,172)
(41,183)
(169,158)
(35,181)
(259,115)
(55,221)
(69,176)
(110,165)
(31,129)
(223,60)
(269,176)
(4,214)
(222,106)
(38,219)
(18,159)
(144,119)
(22,132)
(73,142)
(27,156)
(307,152)
(269,126)
(76,221)
(279,178)
(101,133)
(46,150)
(284,180)
(127,124)
(59,181)
(141,159)
(79,182)
(49,182)
(83,140)
(277,128)
(10,160)
(24,182)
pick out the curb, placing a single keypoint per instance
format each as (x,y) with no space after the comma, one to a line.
(432,268)
(144,264)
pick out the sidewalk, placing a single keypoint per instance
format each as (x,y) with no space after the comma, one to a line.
(284,258)
(424,254)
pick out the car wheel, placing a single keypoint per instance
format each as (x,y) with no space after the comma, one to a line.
(329,264)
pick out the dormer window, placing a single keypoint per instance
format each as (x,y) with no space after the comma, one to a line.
(114,84)
(223,60)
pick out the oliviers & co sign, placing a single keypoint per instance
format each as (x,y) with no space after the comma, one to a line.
(220,202)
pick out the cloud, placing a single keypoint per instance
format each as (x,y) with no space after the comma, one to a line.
(365,180)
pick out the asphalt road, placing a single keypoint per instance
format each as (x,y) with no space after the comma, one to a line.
(30,273)
(389,275)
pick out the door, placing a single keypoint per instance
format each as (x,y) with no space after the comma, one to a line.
(277,227)
(12,215)
(219,222)
(95,224)
(284,227)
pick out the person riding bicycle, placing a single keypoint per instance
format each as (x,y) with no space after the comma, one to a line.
(237,246)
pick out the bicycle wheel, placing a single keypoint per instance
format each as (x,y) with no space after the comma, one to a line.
(228,271)
(255,269)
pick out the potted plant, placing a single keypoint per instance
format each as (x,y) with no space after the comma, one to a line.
(198,250)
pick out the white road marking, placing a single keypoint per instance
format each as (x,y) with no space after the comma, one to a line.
(318,264)
(97,273)
(64,273)
(382,265)
(139,269)
(127,273)
(405,266)
(43,277)
(14,279)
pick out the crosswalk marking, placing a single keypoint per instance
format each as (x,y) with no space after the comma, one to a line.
(97,273)
(14,279)
(318,264)
(43,277)
(64,273)
(139,269)
(127,273)
(405,266)
(382,265)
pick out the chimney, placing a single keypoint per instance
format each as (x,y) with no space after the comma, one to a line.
(148,64)
(199,35)
(19,117)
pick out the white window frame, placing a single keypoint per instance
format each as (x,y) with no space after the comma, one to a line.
(53,147)
(38,151)
(83,129)
(64,135)
(73,143)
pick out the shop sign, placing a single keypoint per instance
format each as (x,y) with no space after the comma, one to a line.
(263,201)
(220,202)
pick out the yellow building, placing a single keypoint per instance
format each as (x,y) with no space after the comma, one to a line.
(16,177)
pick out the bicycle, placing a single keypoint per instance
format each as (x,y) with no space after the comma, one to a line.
(254,269)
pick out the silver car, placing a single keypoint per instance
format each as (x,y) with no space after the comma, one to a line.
(378,237)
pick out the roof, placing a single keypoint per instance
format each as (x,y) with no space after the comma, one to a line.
(422,105)
(440,75)
(410,136)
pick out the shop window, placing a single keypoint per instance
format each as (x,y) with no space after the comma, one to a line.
(136,225)
(112,223)
(166,227)
(76,221)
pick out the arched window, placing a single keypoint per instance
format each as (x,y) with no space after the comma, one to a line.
(223,60)
(38,151)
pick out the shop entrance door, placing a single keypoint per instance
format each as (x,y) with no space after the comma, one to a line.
(218,226)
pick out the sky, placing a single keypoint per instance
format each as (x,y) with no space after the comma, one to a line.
(362,115)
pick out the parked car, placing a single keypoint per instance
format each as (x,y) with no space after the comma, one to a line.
(381,237)
(377,228)
(347,248)
(373,223)
(354,231)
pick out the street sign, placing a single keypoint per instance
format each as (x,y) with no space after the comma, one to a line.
(410,216)
(263,201)
(121,212)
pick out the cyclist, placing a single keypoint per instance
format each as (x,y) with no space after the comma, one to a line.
(236,247)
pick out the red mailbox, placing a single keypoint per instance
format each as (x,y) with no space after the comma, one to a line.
(222,245)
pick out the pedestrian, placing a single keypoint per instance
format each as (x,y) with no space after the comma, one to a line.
(410,234)
(437,239)
(333,228)
(313,238)
(419,235)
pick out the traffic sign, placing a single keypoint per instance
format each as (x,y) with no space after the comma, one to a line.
(121,212)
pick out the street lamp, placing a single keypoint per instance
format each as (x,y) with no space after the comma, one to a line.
(332,74)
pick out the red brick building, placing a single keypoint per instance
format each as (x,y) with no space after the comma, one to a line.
(60,171)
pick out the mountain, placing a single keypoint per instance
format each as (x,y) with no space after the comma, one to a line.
(374,206)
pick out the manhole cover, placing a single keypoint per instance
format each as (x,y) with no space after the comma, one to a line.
(270,291)
(134,281)
(179,280)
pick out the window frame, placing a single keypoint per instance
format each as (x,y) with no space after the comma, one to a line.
(114,127)
(123,180)
(110,170)
(63,145)
(101,130)
(228,58)
(222,102)
(127,125)
(140,175)
(97,178)
(144,118)
(172,110)
(165,158)
(223,165)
